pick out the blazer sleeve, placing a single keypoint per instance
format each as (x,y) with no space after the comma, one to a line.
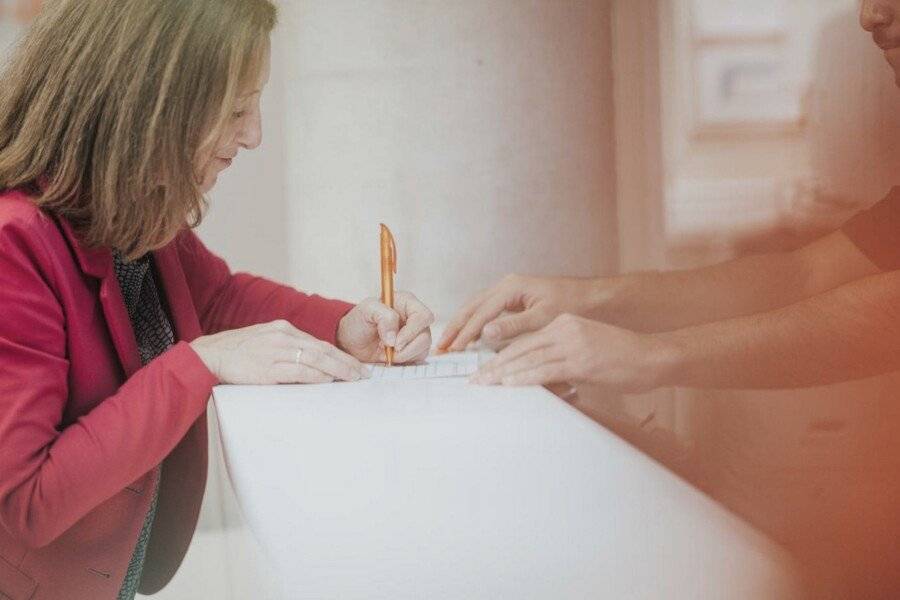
(230,301)
(51,476)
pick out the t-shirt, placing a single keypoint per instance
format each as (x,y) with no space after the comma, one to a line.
(876,232)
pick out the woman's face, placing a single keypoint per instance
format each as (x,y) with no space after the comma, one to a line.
(882,19)
(243,129)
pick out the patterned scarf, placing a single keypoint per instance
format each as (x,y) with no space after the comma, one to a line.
(154,335)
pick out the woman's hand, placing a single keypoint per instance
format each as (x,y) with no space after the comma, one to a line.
(273,353)
(577,350)
(535,301)
(370,326)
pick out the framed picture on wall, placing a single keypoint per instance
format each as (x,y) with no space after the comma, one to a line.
(745,86)
(744,79)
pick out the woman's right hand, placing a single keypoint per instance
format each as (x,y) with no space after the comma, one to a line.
(272,353)
(534,302)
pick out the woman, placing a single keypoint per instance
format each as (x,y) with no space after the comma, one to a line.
(115,320)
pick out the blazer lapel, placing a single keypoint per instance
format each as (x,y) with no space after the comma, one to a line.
(98,262)
(177,293)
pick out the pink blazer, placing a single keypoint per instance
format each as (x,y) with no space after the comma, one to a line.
(82,425)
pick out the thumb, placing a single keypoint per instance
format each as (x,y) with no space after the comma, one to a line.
(387,322)
(511,326)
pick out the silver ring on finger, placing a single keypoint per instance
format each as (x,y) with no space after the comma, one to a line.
(298,355)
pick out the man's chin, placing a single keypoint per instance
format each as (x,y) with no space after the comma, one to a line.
(892,57)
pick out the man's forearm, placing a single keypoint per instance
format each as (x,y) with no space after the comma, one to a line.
(664,301)
(850,332)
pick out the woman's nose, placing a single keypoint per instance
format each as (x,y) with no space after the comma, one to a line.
(250,136)
(875,14)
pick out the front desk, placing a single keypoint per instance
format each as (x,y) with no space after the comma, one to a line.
(438,489)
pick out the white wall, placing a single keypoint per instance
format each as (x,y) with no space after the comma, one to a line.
(245,222)
(481,133)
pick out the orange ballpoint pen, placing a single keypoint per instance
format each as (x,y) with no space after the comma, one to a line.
(388,268)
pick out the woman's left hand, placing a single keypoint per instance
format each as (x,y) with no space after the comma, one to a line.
(577,350)
(370,326)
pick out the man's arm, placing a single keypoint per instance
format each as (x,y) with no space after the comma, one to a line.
(850,332)
(664,301)
(868,244)
(826,313)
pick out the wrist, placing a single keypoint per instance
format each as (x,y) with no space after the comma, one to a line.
(666,359)
(606,296)
(618,300)
(202,349)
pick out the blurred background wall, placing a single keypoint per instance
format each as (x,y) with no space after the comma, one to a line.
(480,132)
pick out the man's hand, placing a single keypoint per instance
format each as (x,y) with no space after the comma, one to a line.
(535,302)
(370,326)
(577,350)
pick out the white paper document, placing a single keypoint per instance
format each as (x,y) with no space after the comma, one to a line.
(458,364)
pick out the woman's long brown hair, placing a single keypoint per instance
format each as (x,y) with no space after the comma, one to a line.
(106,107)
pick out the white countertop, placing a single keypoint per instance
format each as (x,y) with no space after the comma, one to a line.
(437,489)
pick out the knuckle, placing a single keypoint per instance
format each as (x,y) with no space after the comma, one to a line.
(573,324)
